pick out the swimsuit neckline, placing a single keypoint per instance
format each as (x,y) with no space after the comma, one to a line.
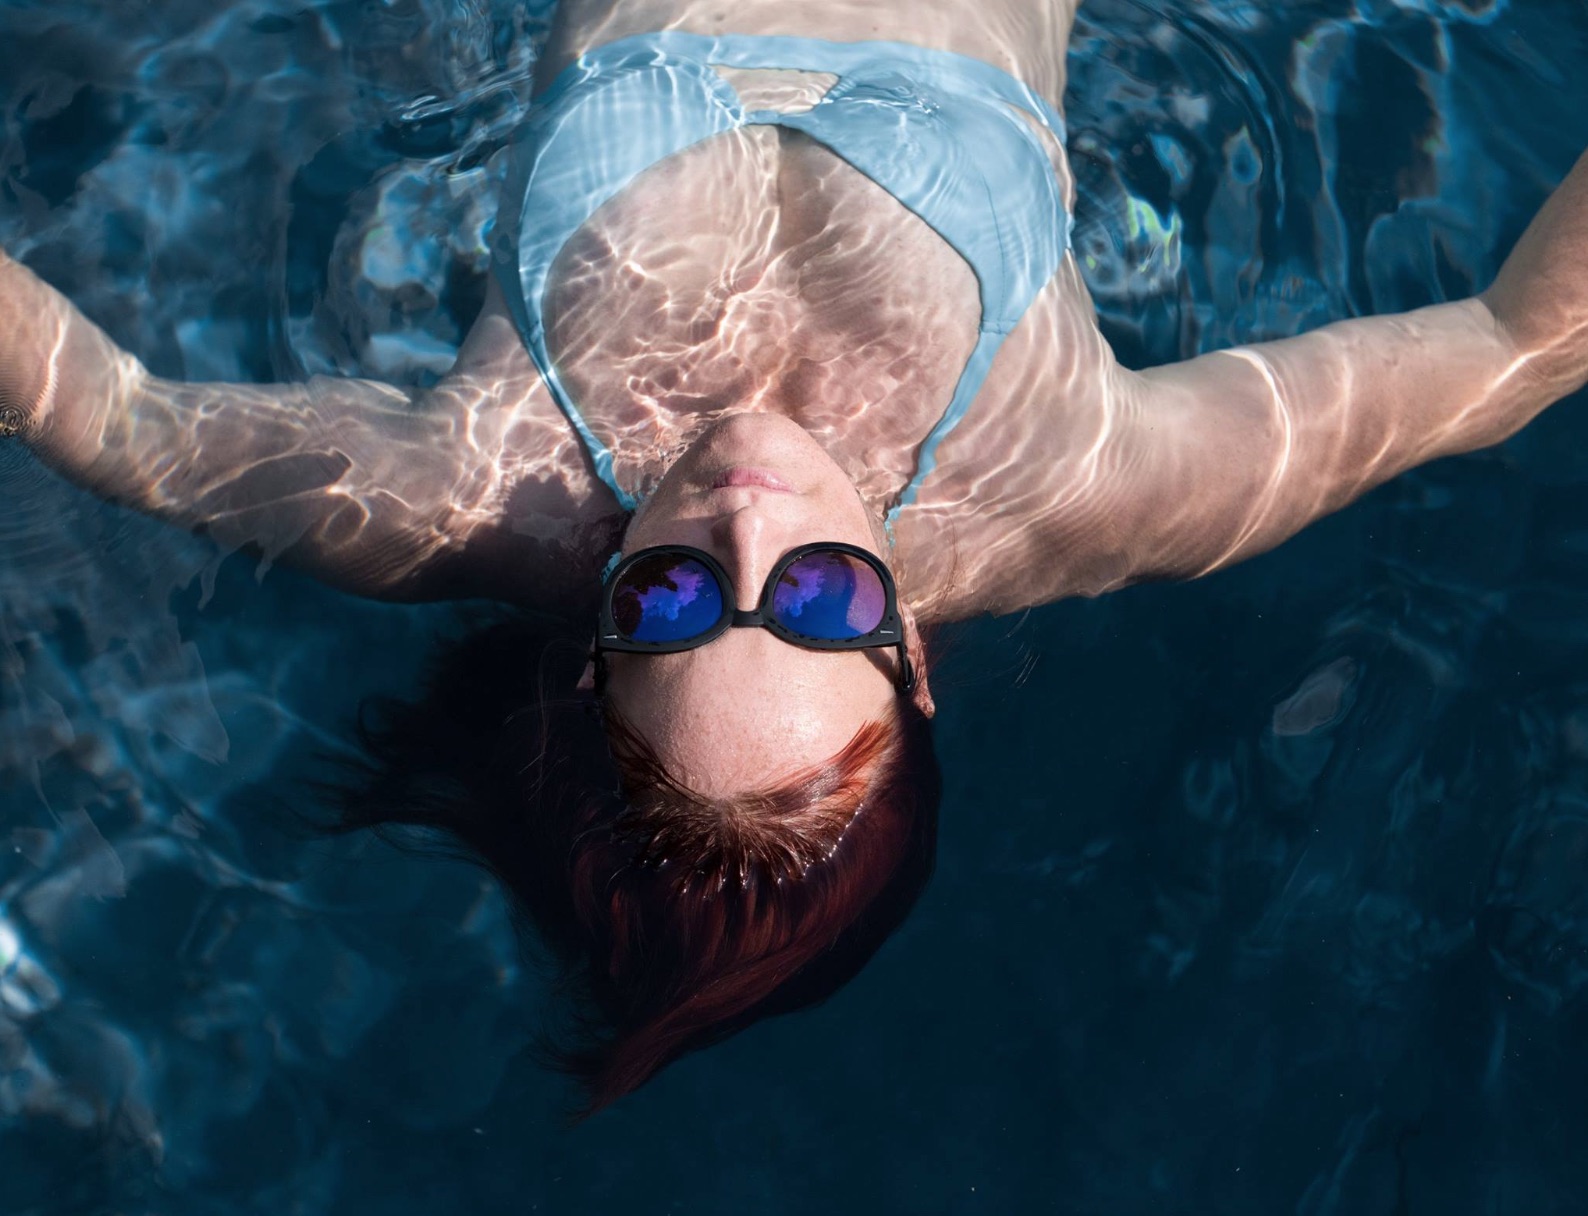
(939,131)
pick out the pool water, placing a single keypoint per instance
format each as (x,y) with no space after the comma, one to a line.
(1261,894)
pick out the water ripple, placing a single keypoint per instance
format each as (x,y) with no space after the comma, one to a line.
(1266,873)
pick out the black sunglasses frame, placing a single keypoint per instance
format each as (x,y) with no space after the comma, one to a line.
(889,632)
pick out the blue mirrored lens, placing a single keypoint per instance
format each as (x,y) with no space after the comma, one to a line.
(830,596)
(666,599)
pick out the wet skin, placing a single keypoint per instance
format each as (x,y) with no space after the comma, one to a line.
(747,704)
(756,275)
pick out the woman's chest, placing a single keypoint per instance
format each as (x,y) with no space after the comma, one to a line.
(759,271)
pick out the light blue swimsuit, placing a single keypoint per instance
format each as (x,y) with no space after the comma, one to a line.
(938,131)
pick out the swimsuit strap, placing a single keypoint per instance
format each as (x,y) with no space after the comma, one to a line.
(939,131)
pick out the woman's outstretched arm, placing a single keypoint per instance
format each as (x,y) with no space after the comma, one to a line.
(1224,456)
(383,492)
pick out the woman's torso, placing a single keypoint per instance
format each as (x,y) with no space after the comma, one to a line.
(758,270)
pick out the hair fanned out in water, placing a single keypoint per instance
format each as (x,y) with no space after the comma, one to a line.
(676,919)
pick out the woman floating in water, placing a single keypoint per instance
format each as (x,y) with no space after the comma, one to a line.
(786,362)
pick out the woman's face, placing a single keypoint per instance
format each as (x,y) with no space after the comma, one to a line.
(748,708)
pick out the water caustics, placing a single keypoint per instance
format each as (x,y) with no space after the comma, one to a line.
(248,196)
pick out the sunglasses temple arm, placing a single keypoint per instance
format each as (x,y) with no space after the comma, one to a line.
(906,671)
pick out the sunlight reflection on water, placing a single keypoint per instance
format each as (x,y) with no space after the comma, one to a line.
(266,191)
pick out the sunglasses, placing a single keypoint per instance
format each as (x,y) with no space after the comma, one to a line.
(825,596)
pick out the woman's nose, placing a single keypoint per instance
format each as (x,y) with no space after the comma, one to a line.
(744,536)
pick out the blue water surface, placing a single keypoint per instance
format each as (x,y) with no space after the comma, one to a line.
(1265,894)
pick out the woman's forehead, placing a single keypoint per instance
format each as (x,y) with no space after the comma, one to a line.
(747,709)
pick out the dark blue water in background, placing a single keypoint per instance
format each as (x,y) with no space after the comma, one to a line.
(1259,895)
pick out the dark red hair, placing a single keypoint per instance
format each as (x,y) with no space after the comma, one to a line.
(675,919)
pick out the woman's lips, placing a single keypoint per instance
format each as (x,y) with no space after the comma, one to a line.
(763,479)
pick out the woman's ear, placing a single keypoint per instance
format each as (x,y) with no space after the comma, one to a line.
(922,696)
(587,676)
